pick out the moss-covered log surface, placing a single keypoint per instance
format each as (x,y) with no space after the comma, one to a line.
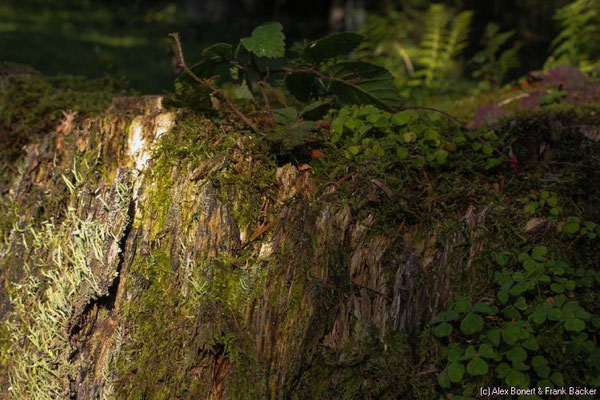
(153,254)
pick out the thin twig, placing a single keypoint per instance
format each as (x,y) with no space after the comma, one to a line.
(275,92)
(371,290)
(206,83)
(574,164)
(265,99)
(437,110)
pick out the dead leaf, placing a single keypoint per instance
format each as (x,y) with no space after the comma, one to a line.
(316,154)
(534,224)
(386,189)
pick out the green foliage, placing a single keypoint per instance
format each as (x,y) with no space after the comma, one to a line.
(335,45)
(313,73)
(492,63)
(31,103)
(445,38)
(370,368)
(267,40)
(363,83)
(543,204)
(500,341)
(387,44)
(43,307)
(373,133)
(577,43)
(574,227)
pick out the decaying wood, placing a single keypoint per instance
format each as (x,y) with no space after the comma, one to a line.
(295,251)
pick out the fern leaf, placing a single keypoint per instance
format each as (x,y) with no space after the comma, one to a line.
(579,29)
(458,35)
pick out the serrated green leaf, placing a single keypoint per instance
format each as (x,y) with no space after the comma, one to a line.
(300,85)
(557,288)
(454,354)
(483,308)
(502,258)
(456,371)
(555,314)
(401,118)
(402,152)
(571,227)
(520,303)
(502,370)
(538,362)
(557,378)
(530,344)
(494,337)
(364,83)
(285,115)
(267,40)
(354,150)
(419,162)
(222,50)
(511,312)
(477,366)
(517,355)
(538,316)
(502,296)
(331,46)
(471,323)
(539,251)
(493,162)
(443,379)
(574,325)
(315,110)
(515,378)
(470,352)
(462,306)
(511,334)
(486,351)
(442,330)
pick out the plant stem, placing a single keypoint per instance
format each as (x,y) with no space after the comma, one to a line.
(207,84)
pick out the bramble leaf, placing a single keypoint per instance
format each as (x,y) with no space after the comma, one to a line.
(331,46)
(364,83)
(300,85)
(267,40)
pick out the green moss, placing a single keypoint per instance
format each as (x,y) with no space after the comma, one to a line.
(176,336)
(365,369)
(31,103)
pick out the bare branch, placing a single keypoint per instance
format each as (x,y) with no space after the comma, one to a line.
(207,84)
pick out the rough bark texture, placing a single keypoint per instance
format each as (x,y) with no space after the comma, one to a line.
(210,276)
(311,276)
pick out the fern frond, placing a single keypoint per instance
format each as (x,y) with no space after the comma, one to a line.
(575,43)
(458,35)
(492,63)
(446,36)
(432,43)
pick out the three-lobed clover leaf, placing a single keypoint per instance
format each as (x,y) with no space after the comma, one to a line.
(471,323)
(477,366)
(456,371)
(442,330)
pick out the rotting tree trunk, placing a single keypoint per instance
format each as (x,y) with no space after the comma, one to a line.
(305,276)
(213,277)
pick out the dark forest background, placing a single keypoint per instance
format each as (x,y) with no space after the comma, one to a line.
(127,40)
